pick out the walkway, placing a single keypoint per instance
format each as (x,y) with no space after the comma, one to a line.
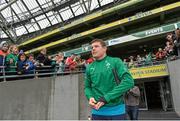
(158,115)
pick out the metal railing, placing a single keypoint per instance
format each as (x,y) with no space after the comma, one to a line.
(39,71)
(47,71)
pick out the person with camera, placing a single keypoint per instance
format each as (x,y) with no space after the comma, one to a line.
(24,66)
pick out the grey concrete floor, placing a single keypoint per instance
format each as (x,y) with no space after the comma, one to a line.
(158,115)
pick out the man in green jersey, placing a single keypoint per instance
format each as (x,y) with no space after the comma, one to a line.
(104,95)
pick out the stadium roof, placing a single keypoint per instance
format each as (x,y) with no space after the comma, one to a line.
(21,17)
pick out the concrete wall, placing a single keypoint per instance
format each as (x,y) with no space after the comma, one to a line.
(44,98)
(24,99)
(64,103)
(174,70)
(84,108)
(59,98)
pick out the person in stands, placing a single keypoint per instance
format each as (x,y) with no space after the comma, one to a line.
(4,46)
(11,59)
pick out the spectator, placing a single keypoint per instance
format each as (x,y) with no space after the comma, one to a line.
(160,55)
(50,61)
(10,48)
(80,63)
(60,62)
(139,60)
(169,49)
(31,58)
(4,46)
(90,60)
(3,53)
(125,62)
(70,63)
(177,40)
(148,59)
(12,58)
(42,58)
(24,66)
(169,38)
(143,60)
(131,62)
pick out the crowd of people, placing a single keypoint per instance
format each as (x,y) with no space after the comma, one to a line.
(14,61)
(170,51)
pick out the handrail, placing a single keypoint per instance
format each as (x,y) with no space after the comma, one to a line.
(49,71)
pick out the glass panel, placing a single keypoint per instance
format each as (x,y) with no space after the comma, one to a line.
(3,35)
(35,26)
(49,13)
(49,2)
(104,2)
(53,20)
(16,8)
(20,30)
(40,17)
(94,4)
(66,14)
(57,1)
(32,27)
(77,9)
(7,14)
(2,3)
(22,8)
(58,17)
(42,2)
(44,23)
(31,4)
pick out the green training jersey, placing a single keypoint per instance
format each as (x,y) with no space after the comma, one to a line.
(100,82)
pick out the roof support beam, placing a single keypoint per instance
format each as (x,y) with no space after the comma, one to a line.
(54,7)
(72,10)
(31,14)
(89,5)
(43,12)
(64,4)
(9,4)
(99,3)
(58,11)
(17,17)
(84,4)
(53,12)
(3,25)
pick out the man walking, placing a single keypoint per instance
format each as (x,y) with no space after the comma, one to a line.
(104,95)
(132,103)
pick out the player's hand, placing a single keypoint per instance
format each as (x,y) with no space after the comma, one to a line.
(98,105)
(92,102)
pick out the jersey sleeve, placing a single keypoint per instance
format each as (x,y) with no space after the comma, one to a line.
(126,83)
